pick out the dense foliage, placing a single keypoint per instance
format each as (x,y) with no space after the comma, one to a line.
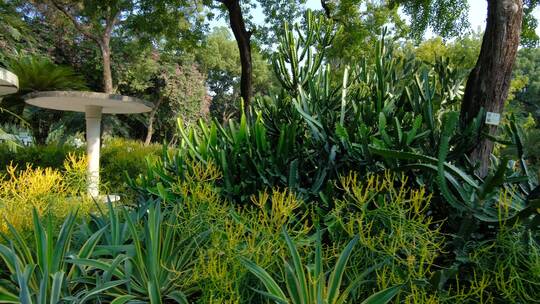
(346,180)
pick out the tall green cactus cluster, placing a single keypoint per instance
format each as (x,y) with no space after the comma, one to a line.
(388,111)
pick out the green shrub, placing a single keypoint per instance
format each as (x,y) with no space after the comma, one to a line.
(121,157)
(118,158)
(40,273)
(391,221)
(49,156)
(251,232)
(511,263)
(149,256)
(189,247)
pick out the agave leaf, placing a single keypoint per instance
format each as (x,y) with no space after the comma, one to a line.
(9,258)
(428,159)
(154,293)
(100,290)
(20,245)
(298,268)
(334,282)
(23,279)
(384,296)
(97,264)
(123,299)
(178,296)
(293,285)
(58,280)
(271,285)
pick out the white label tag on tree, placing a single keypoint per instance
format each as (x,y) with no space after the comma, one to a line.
(493,118)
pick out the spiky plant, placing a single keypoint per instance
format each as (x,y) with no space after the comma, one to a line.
(313,286)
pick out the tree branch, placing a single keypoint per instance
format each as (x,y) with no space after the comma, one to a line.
(81,28)
(110,23)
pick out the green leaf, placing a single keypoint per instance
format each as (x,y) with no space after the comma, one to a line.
(178,296)
(100,289)
(271,286)
(58,280)
(384,296)
(123,299)
(298,267)
(334,282)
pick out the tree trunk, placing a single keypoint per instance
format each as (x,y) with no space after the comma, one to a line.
(150,131)
(106,57)
(489,81)
(151,119)
(102,40)
(243,39)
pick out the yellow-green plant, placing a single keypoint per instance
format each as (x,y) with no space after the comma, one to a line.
(511,264)
(391,221)
(121,157)
(48,191)
(249,232)
(252,231)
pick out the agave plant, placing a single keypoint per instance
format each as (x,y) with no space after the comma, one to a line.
(313,286)
(148,255)
(40,274)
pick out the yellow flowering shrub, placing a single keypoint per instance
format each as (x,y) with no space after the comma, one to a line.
(49,191)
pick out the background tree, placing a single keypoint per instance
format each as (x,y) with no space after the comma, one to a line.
(462,51)
(528,65)
(362,23)
(488,83)
(219,60)
(96,20)
(175,86)
(525,104)
(243,40)
(276,13)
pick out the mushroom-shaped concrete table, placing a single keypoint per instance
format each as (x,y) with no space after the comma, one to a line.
(93,105)
(9,83)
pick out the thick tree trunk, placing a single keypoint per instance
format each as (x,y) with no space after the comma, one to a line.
(243,39)
(106,57)
(489,82)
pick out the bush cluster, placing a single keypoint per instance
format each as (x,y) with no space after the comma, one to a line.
(118,158)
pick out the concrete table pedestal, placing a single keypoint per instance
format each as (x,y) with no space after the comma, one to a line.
(93,144)
(93,105)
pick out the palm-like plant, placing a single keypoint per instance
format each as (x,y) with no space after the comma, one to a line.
(312,287)
(38,73)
